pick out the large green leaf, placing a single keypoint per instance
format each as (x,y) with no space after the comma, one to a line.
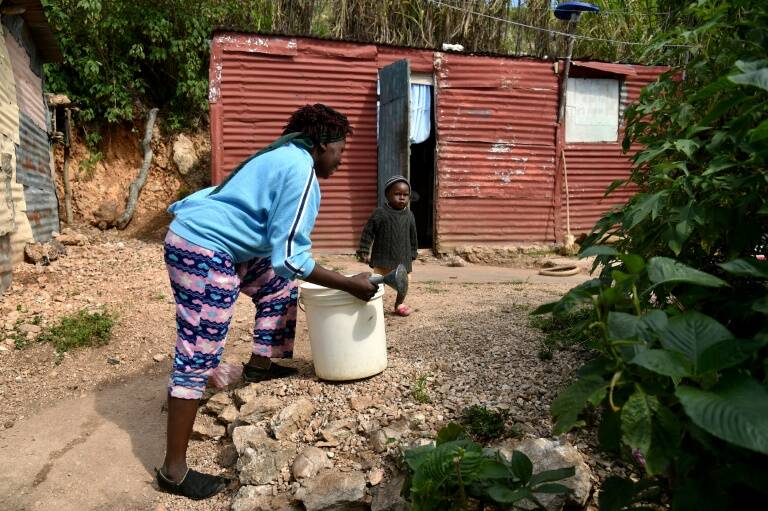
(570,402)
(760,133)
(596,250)
(637,420)
(667,363)
(736,410)
(747,267)
(639,211)
(663,270)
(628,326)
(691,333)
(504,495)
(729,353)
(521,466)
(549,476)
(687,146)
(632,262)
(754,74)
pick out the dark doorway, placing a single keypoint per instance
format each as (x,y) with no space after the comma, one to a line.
(423,185)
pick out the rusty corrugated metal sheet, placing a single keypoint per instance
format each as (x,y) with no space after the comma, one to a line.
(253,92)
(421,61)
(9,109)
(496,131)
(36,22)
(29,84)
(6,265)
(33,172)
(592,167)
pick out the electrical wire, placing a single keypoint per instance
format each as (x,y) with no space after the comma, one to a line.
(556,32)
(602,11)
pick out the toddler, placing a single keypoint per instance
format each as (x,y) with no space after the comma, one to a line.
(389,237)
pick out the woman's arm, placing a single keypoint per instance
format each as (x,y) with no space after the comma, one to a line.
(357,285)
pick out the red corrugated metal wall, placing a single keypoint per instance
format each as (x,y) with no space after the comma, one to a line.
(496,133)
(592,167)
(257,82)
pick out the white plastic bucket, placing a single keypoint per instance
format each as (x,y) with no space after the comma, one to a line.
(346,334)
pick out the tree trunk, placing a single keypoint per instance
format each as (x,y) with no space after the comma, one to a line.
(141,179)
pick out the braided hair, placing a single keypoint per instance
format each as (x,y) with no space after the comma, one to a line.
(319,123)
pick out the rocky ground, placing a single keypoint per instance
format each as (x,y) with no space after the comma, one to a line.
(298,439)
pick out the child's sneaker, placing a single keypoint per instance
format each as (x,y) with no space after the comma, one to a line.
(403,310)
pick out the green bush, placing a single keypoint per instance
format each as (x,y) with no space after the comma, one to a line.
(79,330)
(485,424)
(456,472)
(120,55)
(681,301)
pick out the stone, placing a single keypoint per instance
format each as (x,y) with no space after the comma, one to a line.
(106,215)
(334,491)
(259,408)
(184,154)
(292,418)
(375,476)
(72,239)
(228,456)
(29,328)
(248,436)
(386,497)
(309,463)
(205,427)
(159,357)
(228,415)
(217,403)
(337,430)
(246,394)
(361,403)
(253,498)
(457,262)
(37,253)
(262,464)
(384,437)
(550,455)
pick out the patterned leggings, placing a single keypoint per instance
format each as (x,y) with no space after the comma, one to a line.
(205,286)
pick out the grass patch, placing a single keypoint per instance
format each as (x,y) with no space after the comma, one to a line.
(485,424)
(79,330)
(419,390)
(564,330)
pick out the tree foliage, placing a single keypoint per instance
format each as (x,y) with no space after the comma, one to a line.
(121,58)
(681,302)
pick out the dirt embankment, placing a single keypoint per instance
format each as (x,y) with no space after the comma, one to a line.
(100,176)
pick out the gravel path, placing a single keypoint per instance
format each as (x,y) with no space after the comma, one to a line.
(467,342)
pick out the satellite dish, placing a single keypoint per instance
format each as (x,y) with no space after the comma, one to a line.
(565,10)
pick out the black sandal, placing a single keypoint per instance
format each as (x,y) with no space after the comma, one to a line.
(194,485)
(254,374)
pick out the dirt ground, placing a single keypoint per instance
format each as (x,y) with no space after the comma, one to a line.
(84,431)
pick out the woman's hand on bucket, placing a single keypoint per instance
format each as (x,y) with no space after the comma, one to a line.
(360,287)
(357,285)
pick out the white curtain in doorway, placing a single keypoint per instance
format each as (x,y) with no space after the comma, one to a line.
(420,108)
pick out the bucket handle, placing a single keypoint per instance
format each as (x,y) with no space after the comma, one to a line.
(300,303)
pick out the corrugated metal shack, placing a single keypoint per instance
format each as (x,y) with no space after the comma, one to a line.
(491,172)
(28,207)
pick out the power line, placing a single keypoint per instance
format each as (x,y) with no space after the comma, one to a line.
(556,32)
(602,11)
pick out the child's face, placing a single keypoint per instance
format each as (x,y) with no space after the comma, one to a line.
(398,195)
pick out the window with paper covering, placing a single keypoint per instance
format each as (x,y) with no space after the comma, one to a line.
(592,110)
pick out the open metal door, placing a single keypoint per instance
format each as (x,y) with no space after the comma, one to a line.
(394,147)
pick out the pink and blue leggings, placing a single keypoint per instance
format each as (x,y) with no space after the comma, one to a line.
(205,286)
